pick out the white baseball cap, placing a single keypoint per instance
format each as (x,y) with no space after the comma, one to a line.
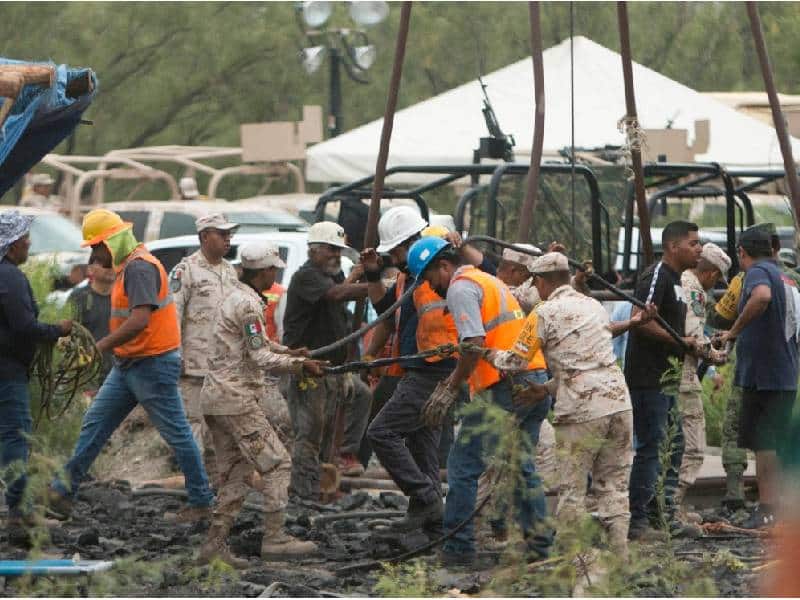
(327,232)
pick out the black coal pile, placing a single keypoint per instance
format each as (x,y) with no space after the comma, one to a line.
(112,522)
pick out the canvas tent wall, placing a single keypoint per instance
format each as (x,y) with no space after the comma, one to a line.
(445,129)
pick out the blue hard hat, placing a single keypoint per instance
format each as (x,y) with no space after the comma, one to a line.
(423,252)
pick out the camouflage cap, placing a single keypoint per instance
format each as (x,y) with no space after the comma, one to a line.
(717,257)
(521,258)
(551,262)
(214,221)
(261,255)
(42,179)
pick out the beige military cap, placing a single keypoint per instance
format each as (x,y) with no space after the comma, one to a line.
(261,255)
(526,260)
(717,257)
(214,221)
(42,179)
(549,263)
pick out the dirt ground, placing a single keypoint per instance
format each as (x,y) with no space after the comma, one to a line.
(112,521)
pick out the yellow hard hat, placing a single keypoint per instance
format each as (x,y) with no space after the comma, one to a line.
(100,224)
(435,231)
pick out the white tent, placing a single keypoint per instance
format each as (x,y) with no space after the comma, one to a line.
(446,128)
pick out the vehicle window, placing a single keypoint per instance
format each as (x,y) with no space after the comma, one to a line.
(174,224)
(170,257)
(255,222)
(54,233)
(138,218)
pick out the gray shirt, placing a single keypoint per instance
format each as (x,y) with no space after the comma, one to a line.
(464,300)
(142,284)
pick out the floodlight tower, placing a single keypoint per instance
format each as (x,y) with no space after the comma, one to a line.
(346,47)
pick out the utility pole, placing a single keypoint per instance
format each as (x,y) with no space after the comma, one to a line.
(632,123)
(777,114)
(532,190)
(335,95)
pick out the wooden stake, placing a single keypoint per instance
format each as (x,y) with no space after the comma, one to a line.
(532,189)
(633,121)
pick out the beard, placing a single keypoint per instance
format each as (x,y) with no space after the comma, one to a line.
(333,266)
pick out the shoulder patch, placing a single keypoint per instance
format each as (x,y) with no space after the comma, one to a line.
(175,277)
(698,303)
(254,332)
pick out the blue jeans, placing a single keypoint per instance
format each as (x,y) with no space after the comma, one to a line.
(153,383)
(15,426)
(654,413)
(467,460)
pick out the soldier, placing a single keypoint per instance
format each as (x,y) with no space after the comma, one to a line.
(696,283)
(199,284)
(593,417)
(244,440)
(513,270)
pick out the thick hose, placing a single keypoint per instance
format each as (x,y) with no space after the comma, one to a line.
(389,312)
(593,276)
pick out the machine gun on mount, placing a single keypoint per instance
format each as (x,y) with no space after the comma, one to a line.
(498,145)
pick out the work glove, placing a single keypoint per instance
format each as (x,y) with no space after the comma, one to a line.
(439,404)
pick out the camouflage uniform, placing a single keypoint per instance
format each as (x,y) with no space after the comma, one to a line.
(526,294)
(198,288)
(690,392)
(593,416)
(234,386)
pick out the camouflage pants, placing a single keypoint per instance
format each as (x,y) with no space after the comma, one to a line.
(190,393)
(733,458)
(690,402)
(246,444)
(604,448)
(277,411)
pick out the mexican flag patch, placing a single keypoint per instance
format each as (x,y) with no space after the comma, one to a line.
(252,329)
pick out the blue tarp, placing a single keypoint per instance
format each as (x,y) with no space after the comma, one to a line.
(40,119)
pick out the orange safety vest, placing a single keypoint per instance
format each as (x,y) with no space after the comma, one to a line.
(162,333)
(396,370)
(272,296)
(435,325)
(502,319)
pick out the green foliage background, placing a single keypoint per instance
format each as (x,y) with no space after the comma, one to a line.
(190,73)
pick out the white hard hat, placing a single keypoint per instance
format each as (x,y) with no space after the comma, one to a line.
(397,225)
(327,232)
(445,221)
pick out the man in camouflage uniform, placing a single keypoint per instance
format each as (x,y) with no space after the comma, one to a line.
(696,283)
(593,416)
(199,284)
(244,439)
(42,196)
(722,316)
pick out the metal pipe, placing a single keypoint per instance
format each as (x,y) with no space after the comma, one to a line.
(633,121)
(777,115)
(532,189)
(335,94)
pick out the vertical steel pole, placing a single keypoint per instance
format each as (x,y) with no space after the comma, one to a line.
(633,121)
(777,114)
(532,190)
(335,95)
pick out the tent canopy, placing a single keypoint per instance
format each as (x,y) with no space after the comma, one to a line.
(41,117)
(446,128)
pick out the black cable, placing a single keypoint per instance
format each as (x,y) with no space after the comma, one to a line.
(317,352)
(594,277)
(445,350)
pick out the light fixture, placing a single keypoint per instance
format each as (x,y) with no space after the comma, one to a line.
(367,12)
(313,57)
(364,56)
(315,13)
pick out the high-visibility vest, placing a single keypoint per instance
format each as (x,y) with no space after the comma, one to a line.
(162,333)
(435,325)
(272,296)
(502,320)
(395,370)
